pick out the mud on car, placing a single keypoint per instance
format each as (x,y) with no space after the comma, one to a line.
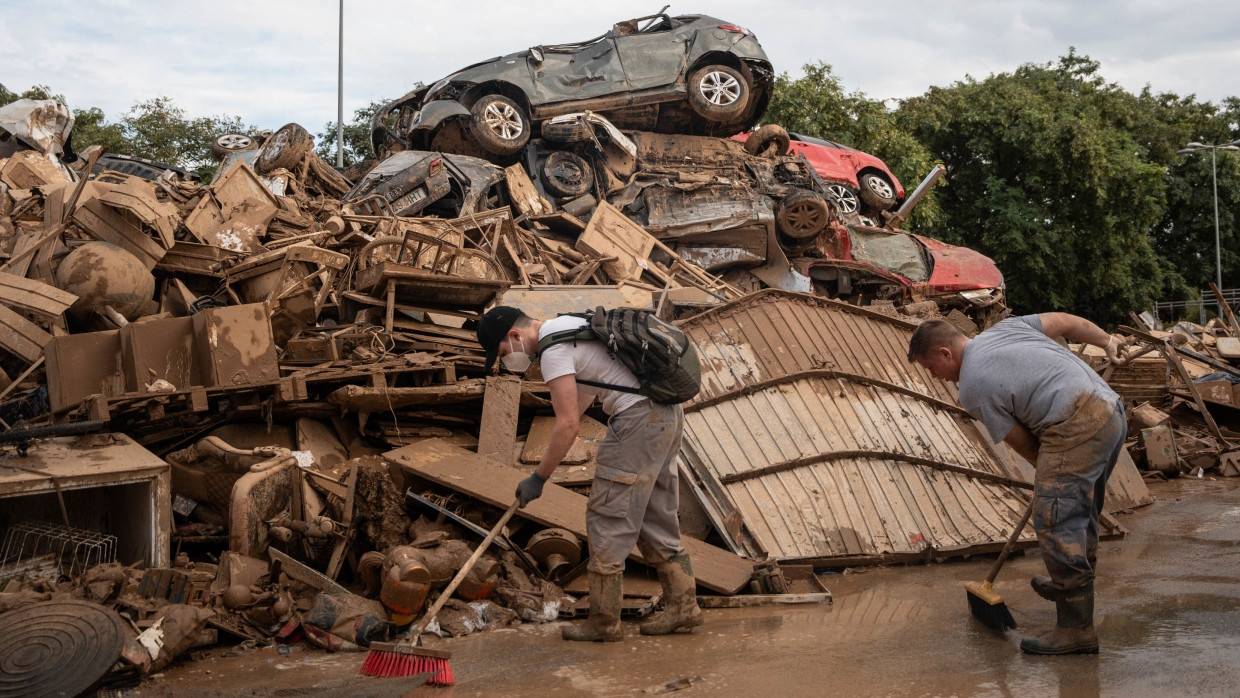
(682,74)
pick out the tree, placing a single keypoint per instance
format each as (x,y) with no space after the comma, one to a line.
(817,105)
(159,130)
(357,145)
(1046,177)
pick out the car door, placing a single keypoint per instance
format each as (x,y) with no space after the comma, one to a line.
(652,53)
(577,71)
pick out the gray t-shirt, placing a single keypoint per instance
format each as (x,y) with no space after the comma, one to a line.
(1013,373)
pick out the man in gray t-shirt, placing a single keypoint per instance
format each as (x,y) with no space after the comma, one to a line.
(1053,409)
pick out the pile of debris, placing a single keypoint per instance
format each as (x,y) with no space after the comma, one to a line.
(254,410)
(1181,385)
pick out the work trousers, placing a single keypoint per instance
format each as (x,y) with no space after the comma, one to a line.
(634,497)
(1069,490)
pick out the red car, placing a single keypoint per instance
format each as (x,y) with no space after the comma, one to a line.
(861,264)
(849,173)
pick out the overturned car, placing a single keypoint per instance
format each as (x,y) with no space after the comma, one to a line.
(689,73)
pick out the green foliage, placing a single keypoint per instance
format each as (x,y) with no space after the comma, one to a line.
(159,130)
(817,105)
(1047,175)
(155,129)
(356,136)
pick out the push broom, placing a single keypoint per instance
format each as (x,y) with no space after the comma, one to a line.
(986,605)
(404,659)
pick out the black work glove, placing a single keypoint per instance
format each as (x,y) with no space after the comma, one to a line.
(530,488)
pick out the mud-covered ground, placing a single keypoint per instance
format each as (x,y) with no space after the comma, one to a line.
(1167,611)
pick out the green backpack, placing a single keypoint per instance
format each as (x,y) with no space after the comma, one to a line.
(658,353)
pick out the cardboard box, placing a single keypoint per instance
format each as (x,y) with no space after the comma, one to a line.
(81,365)
(164,346)
(234,346)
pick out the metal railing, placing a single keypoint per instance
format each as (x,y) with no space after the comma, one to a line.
(1170,311)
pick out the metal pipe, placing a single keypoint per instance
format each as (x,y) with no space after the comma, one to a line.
(340,95)
(897,219)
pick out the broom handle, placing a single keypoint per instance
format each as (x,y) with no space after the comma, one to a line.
(1007,549)
(465,570)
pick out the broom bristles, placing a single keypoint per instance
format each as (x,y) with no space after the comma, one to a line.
(390,664)
(994,614)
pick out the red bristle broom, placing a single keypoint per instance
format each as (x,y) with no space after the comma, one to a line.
(404,659)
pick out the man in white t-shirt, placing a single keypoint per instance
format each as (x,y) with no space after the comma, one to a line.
(634,497)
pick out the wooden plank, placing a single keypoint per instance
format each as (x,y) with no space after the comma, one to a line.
(34,296)
(522,192)
(611,234)
(1233,326)
(21,337)
(497,436)
(583,449)
(494,483)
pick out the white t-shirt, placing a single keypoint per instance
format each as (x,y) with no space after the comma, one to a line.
(589,361)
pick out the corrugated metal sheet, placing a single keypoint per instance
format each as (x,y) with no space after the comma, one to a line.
(814,439)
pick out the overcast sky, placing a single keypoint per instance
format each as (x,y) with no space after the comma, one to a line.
(272,62)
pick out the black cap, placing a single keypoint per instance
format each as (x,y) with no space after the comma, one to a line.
(492,327)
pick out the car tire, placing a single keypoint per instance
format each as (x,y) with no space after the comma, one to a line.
(499,125)
(718,93)
(567,175)
(285,149)
(802,215)
(877,192)
(573,131)
(771,141)
(229,143)
(844,198)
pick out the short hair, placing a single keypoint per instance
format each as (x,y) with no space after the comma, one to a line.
(931,335)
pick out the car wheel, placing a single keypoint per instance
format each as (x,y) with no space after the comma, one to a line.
(802,215)
(769,141)
(567,175)
(844,198)
(718,93)
(229,143)
(571,131)
(877,192)
(500,125)
(285,149)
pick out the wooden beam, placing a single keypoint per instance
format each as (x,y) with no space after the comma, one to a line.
(497,437)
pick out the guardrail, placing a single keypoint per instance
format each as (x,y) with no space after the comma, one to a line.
(1169,311)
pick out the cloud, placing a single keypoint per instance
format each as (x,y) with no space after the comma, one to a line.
(274,62)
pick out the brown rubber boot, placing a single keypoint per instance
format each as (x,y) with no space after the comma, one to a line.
(1074,633)
(603,625)
(680,609)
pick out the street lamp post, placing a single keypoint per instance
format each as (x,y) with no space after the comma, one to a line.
(340,95)
(1192,148)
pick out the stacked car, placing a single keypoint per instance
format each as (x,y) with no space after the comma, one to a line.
(654,117)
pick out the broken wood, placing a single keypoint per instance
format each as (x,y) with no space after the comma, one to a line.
(34,296)
(21,337)
(497,436)
(337,559)
(493,483)
(304,574)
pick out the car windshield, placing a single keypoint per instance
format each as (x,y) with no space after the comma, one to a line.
(898,253)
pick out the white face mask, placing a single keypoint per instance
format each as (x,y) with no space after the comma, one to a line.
(515,361)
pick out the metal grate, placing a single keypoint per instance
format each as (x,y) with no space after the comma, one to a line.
(34,546)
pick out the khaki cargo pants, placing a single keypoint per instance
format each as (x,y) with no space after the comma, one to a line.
(1069,490)
(635,494)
